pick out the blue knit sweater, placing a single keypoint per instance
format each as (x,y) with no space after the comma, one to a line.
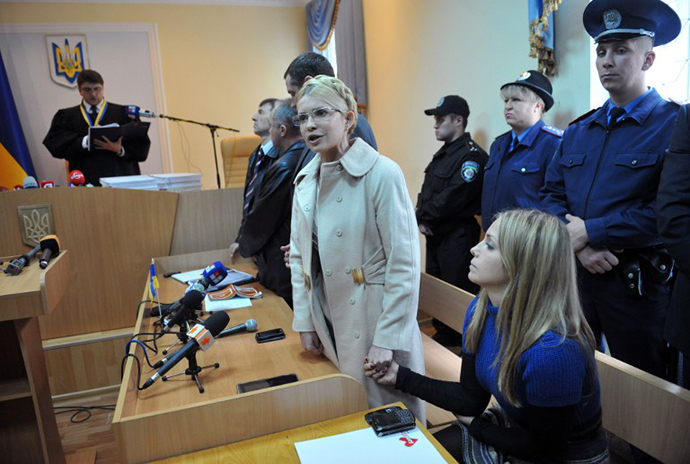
(552,372)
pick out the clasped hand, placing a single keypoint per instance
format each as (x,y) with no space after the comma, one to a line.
(380,366)
(107,144)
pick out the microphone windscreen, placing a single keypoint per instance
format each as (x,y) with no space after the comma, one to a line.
(251,325)
(50,242)
(77,177)
(132,111)
(215,273)
(217,322)
(30,182)
(47,184)
(192,299)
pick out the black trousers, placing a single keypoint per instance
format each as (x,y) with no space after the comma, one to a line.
(448,258)
(633,325)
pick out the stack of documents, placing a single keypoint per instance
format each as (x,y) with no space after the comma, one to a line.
(178,182)
(130,182)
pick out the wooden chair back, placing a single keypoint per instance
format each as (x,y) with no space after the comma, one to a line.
(236,151)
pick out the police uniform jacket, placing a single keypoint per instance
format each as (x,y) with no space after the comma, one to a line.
(609,177)
(65,137)
(673,206)
(513,178)
(370,266)
(451,192)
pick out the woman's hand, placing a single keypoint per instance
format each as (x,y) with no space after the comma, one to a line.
(311,343)
(380,357)
(384,376)
(286,254)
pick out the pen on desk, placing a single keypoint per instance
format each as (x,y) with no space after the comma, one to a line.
(170,274)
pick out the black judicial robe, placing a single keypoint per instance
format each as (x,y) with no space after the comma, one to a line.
(69,128)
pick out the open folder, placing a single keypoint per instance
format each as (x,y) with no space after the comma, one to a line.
(132,132)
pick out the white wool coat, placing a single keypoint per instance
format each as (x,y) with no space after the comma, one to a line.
(369,249)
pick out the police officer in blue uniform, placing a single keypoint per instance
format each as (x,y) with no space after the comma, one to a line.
(518,159)
(603,182)
(449,200)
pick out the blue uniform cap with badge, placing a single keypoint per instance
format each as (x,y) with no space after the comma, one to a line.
(610,20)
(537,83)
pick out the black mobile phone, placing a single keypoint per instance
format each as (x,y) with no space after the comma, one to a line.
(270,335)
(266,383)
(390,420)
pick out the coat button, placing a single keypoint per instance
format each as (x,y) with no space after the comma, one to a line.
(347,270)
(356,334)
(339,167)
(352,301)
(633,162)
(328,272)
(523,170)
(630,276)
(307,208)
(339,199)
(570,162)
(662,267)
(339,233)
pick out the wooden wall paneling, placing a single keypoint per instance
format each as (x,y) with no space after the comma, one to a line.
(207,220)
(95,363)
(112,234)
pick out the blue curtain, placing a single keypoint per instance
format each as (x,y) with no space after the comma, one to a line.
(321,17)
(541,34)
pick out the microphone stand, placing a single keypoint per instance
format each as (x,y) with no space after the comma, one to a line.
(212,127)
(193,370)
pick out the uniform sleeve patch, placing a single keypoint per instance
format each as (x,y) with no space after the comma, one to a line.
(553,130)
(469,171)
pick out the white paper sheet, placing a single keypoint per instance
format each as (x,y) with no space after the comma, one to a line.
(363,446)
(221,305)
(233,277)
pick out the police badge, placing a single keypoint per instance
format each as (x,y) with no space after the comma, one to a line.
(469,171)
(67,57)
(612,19)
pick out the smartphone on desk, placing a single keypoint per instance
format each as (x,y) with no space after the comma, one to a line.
(270,335)
(266,383)
(390,420)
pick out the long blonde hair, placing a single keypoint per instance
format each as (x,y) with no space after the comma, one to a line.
(541,294)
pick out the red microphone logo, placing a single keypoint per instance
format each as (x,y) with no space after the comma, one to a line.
(77,177)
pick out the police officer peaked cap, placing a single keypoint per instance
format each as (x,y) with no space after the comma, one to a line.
(538,83)
(608,20)
(450,104)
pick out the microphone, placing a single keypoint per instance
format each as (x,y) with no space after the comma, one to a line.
(203,337)
(136,112)
(213,275)
(30,182)
(47,184)
(249,326)
(50,246)
(77,178)
(189,302)
(17,265)
(18,187)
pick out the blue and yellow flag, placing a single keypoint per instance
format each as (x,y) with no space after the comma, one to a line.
(15,161)
(153,282)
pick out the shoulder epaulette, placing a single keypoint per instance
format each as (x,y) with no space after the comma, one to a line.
(587,114)
(473,146)
(553,130)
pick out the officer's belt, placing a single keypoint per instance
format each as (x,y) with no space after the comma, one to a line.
(638,265)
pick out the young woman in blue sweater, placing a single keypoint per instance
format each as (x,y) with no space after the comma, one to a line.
(526,343)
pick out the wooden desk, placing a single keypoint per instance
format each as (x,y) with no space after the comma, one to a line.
(171,418)
(28,430)
(280,447)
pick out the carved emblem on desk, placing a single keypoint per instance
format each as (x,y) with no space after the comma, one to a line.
(35,222)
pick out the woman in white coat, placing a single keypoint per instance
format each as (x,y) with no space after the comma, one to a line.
(354,247)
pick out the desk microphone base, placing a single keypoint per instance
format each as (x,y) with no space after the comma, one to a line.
(193,370)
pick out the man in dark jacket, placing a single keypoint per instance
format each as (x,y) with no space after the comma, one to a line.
(267,225)
(673,218)
(68,135)
(449,200)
